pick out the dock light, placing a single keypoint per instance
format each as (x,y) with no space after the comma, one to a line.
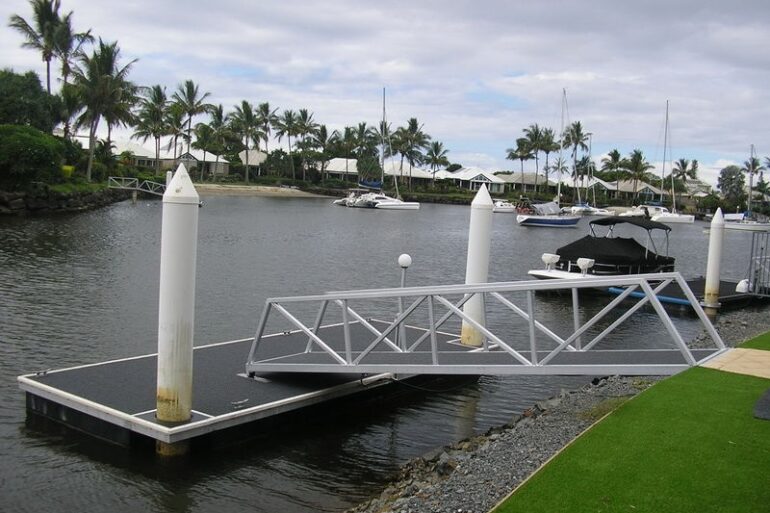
(585,264)
(404,261)
(549,259)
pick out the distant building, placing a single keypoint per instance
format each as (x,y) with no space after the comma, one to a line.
(473,178)
(194,160)
(624,189)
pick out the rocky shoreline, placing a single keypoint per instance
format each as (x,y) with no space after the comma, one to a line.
(474,474)
(42,200)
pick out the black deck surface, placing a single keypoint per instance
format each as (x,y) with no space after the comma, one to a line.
(219,385)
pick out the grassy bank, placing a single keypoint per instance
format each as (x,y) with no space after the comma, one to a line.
(688,444)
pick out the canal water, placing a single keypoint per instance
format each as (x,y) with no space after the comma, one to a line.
(83,288)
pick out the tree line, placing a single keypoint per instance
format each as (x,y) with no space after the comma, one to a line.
(96,90)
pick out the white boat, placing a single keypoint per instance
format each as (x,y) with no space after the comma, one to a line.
(382,201)
(503,207)
(351,198)
(547,215)
(647,211)
(673,216)
(584,209)
(748,226)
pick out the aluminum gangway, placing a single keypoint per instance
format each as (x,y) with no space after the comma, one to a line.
(758,274)
(133,184)
(518,339)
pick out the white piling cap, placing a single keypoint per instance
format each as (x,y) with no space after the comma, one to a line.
(181,189)
(718,218)
(482,199)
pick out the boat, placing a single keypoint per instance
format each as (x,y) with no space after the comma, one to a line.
(547,215)
(647,211)
(503,207)
(606,254)
(747,221)
(584,209)
(351,198)
(383,202)
(673,216)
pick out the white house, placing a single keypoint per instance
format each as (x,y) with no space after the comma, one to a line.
(472,178)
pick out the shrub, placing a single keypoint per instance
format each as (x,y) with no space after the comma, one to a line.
(28,155)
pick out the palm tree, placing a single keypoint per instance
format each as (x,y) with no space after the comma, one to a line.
(101,83)
(637,166)
(175,128)
(575,138)
(409,142)
(220,132)
(204,139)
(120,110)
(267,119)
(68,45)
(345,144)
(436,156)
(192,103)
(548,146)
(521,153)
(152,118)
(69,106)
(244,122)
(752,167)
(41,34)
(287,127)
(534,136)
(305,126)
(321,141)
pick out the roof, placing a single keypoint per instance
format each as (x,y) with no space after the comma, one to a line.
(628,186)
(640,221)
(527,179)
(340,165)
(393,168)
(140,151)
(256,157)
(470,174)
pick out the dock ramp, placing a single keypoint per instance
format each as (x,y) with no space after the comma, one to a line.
(527,330)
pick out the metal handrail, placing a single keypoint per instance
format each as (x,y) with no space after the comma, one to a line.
(348,360)
(133,184)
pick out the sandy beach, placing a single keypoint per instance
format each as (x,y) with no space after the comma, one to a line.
(214,189)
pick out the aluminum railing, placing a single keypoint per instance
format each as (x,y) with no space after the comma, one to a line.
(133,184)
(544,354)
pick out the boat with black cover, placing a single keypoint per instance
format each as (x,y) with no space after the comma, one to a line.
(604,253)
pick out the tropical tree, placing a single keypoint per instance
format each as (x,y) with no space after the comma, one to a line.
(191,102)
(40,35)
(574,137)
(344,144)
(220,132)
(305,127)
(548,146)
(637,166)
(119,111)
(23,101)
(68,45)
(436,157)
(521,153)
(245,123)
(267,119)
(204,141)
(752,167)
(534,136)
(613,162)
(175,128)
(151,118)
(321,141)
(410,141)
(287,127)
(101,83)
(732,184)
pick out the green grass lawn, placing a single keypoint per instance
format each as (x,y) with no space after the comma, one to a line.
(760,342)
(688,444)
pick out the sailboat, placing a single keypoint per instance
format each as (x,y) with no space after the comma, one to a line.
(549,215)
(748,221)
(673,216)
(378,199)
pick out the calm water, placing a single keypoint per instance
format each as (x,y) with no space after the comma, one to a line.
(82,288)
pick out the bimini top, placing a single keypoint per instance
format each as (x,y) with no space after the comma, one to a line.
(639,221)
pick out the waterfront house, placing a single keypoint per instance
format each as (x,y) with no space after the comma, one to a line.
(473,178)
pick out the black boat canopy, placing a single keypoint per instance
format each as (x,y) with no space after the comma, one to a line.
(640,221)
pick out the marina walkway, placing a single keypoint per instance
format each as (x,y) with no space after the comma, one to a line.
(751,362)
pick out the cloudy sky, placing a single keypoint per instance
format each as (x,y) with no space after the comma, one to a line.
(474,73)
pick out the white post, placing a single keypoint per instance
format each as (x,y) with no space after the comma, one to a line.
(404,261)
(716,235)
(176,312)
(477,266)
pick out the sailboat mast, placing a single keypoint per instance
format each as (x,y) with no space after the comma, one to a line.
(663,171)
(561,144)
(751,180)
(382,135)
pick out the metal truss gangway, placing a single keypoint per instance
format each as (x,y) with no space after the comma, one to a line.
(546,327)
(133,184)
